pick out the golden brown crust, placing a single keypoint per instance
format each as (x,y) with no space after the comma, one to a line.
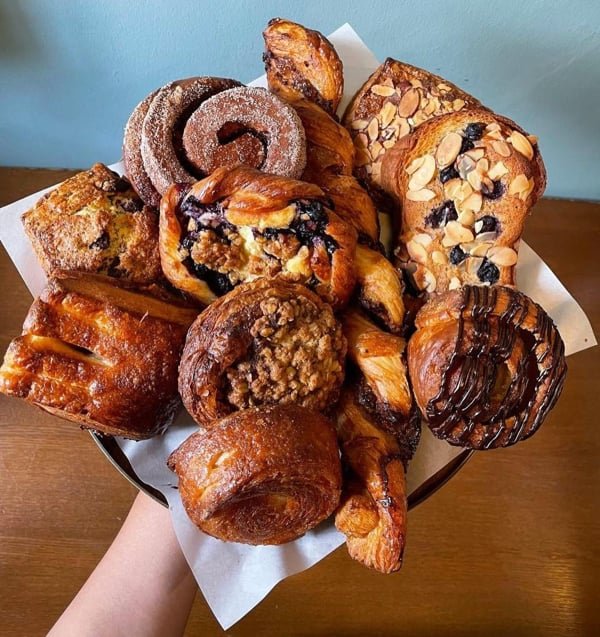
(373,508)
(240,224)
(269,341)
(302,63)
(94,222)
(395,100)
(101,355)
(260,476)
(486,365)
(465,183)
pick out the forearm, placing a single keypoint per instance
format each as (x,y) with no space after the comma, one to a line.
(142,586)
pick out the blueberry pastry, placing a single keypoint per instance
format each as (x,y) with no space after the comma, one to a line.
(396,99)
(486,364)
(100,354)
(241,224)
(260,476)
(94,222)
(268,342)
(465,183)
(302,63)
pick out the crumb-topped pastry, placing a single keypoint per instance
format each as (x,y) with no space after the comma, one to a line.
(266,342)
(260,476)
(242,224)
(465,183)
(94,222)
(100,354)
(395,100)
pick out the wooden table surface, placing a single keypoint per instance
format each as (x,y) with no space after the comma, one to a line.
(510,546)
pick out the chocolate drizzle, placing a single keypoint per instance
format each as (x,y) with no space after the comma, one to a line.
(469,408)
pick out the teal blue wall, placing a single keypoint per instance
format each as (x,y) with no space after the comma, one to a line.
(72,70)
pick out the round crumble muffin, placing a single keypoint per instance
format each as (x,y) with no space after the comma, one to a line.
(267,342)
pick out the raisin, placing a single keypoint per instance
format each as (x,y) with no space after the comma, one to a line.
(218,282)
(121,185)
(466,145)
(131,205)
(488,224)
(496,192)
(101,243)
(446,174)
(475,131)
(442,214)
(488,272)
(457,254)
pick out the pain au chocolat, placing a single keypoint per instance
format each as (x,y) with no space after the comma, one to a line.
(101,355)
(94,222)
(465,183)
(486,364)
(260,476)
(240,224)
(269,341)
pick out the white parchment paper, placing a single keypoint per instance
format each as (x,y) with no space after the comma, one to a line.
(233,577)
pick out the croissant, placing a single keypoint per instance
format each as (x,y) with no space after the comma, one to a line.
(487,364)
(260,476)
(100,354)
(373,509)
(240,224)
(302,63)
(465,183)
(269,341)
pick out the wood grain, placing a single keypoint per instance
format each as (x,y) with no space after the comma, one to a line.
(508,547)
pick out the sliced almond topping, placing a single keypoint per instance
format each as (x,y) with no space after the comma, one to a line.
(465,165)
(502,255)
(525,193)
(480,249)
(417,252)
(361,141)
(466,217)
(444,88)
(373,129)
(475,153)
(375,149)
(474,178)
(382,90)
(464,191)
(404,128)
(376,172)
(416,83)
(452,187)
(387,114)
(418,118)
(415,164)
(497,170)
(438,257)
(522,144)
(533,139)
(473,264)
(420,195)
(458,104)
(424,174)
(408,103)
(430,281)
(483,166)
(422,238)
(359,124)
(518,185)
(485,236)
(389,143)
(494,126)
(502,148)
(448,149)
(430,108)
(454,283)
(473,202)
(496,134)
(455,233)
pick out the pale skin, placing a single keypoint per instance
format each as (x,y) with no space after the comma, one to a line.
(141,587)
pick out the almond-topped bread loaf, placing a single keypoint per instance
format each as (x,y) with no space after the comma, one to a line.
(464,183)
(395,99)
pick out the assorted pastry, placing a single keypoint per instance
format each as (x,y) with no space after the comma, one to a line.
(240,268)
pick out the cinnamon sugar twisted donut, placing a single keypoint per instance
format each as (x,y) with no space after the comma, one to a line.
(487,364)
(240,224)
(266,342)
(152,147)
(246,126)
(260,476)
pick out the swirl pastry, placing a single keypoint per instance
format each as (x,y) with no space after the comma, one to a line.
(101,355)
(395,100)
(249,126)
(302,63)
(94,222)
(487,364)
(153,150)
(240,224)
(373,508)
(260,476)
(269,341)
(466,183)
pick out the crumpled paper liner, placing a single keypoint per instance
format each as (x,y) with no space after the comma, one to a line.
(234,577)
